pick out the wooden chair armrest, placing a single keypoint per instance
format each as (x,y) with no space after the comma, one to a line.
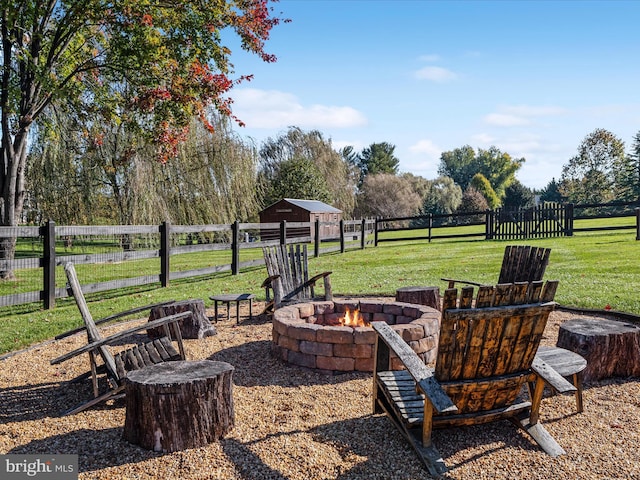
(113,317)
(269,280)
(553,378)
(425,381)
(121,335)
(453,281)
(317,277)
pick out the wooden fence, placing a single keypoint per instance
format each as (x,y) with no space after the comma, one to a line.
(127,243)
(53,246)
(544,221)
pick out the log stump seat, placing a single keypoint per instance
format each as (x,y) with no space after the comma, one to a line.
(611,348)
(195,326)
(429,296)
(178,405)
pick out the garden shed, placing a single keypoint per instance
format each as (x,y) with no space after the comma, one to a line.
(295,210)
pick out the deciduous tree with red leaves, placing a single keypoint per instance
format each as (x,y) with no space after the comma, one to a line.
(152,63)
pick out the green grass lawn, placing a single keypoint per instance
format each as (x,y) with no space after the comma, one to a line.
(594,269)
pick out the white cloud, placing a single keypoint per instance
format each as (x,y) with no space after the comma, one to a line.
(426,147)
(533,111)
(436,74)
(274,109)
(484,139)
(505,120)
(520,115)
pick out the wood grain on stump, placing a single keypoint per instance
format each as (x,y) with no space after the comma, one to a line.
(611,348)
(419,295)
(195,326)
(177,405)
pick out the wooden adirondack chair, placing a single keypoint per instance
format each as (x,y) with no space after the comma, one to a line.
(117,365)
(521,263)
(486,354)
(288,278)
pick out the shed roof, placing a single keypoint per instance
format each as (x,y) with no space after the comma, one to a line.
(313,206)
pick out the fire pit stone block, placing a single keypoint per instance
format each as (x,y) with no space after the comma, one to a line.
(306,334)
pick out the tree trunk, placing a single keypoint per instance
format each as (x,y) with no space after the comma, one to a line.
(177,405)
(14,159)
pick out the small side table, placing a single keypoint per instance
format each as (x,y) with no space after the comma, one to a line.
(567,364)
(233,297)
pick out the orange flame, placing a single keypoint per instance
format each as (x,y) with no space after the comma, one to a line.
(352,318)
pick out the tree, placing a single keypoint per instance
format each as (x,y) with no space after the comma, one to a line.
(73,180)
(337,176)
(628,176)
(419,184)
(497,167)
(590,176)
(459,164)
(480,184)
(374,159)
(518,196)
(634,175)
(442,198)
(386,195)
(551,192)
(297,178)
(93,55)
(472,201)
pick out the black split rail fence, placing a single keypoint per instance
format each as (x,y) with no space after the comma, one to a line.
(158,248)
(161,252)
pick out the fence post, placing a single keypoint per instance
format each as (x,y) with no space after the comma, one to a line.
(430,225)
(316,238)
(363,233)
(568,219)
(283,232)
(235,248)
(637,223)
(165,253)
(488,223)
(375,233)
(49,264)
(341,236)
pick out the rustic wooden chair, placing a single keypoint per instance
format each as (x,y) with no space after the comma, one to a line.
(117,365)
(486,354)
(288,271)
(521,263)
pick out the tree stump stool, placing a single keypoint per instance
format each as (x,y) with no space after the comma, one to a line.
(419,295)
(177,405)
(611,348)
(195,326)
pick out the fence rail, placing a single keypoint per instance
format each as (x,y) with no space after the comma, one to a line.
(40,250)
(52,246)
(544,221)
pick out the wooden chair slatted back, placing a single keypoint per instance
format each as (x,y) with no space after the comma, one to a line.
(523,263)
(492,343)
(291,265)
(93,334)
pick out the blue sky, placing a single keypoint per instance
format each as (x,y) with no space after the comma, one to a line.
(531,77)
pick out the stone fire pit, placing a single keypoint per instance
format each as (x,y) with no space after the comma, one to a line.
(306,334)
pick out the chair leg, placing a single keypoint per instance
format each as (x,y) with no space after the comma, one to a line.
(577,382)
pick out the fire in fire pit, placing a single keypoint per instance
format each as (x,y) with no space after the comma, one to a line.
(351,318)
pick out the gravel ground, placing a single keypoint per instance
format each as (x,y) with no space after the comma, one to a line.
(296,424)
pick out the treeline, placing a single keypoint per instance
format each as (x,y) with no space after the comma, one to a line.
(82,173)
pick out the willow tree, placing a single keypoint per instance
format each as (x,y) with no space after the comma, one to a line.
(313,157)
(169,54)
